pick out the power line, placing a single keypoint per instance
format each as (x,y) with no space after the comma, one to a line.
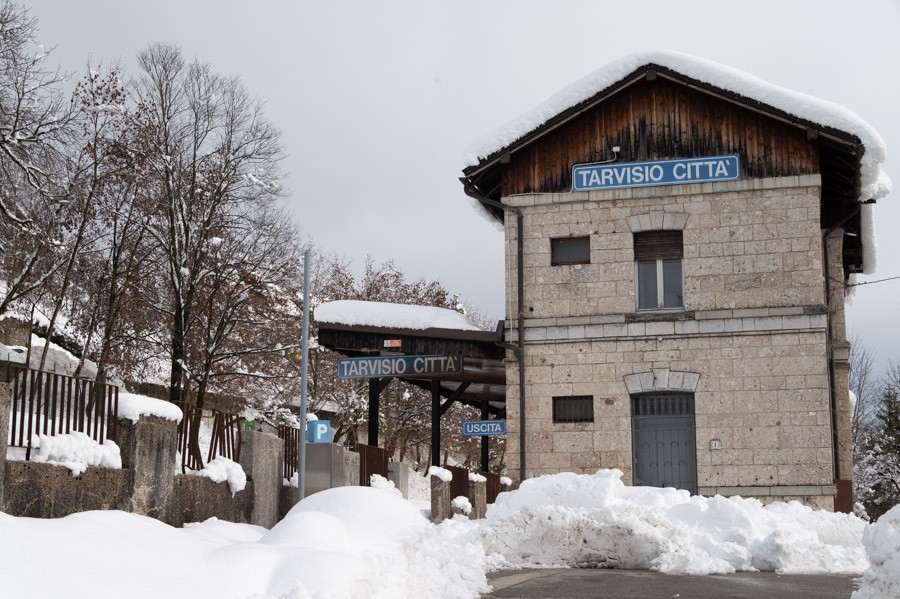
(870,282)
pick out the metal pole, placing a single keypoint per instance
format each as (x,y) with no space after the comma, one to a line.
(304,364)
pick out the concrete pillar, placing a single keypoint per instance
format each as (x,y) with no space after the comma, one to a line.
(148,448)
(440,499)
(4,434)
(478,496)
(398,473)
(262,457)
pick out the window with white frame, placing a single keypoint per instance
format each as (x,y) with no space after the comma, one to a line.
(657,265)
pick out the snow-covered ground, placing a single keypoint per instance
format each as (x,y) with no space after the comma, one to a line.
(369,542)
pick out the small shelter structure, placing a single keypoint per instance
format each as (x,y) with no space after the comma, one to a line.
(365,329)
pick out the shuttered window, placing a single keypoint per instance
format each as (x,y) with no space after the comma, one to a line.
(575,408)
(570,250)
(657,256)
(658,245)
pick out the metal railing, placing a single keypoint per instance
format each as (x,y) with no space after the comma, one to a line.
(47,403)
(225,439)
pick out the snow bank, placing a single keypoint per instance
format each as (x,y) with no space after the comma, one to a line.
(596,521)
(222,469)
(76,451)
(882,541)
(382,484)
(132,407)
(395,316)
(361,542)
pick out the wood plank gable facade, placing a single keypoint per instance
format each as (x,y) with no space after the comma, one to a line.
(658,120)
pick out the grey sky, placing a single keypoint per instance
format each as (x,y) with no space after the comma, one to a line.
(378,100)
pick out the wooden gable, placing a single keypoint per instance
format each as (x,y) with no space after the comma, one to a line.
(658,120)
(656,113)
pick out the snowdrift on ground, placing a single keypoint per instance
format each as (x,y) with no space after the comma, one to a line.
(596,521)
(882,541)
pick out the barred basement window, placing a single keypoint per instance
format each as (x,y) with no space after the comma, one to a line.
(570,250)
(576,408)
(657,265)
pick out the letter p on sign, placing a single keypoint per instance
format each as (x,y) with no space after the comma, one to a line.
(318,431)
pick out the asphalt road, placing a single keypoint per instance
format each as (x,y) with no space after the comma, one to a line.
(640,584)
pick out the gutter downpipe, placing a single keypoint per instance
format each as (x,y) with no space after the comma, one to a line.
(518,347)
(836,470)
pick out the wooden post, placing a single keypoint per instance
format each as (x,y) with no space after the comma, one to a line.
(485,457)
(374,396)
(435,423)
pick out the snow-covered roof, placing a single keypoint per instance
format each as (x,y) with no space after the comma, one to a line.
(874,182)
(393,316)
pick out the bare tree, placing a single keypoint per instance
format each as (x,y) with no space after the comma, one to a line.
(865,386)
(34,138)
(213,160)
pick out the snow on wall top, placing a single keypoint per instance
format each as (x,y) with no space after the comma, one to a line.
(395,316)
(874,183)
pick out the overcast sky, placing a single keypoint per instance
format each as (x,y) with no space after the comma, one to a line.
(378,100)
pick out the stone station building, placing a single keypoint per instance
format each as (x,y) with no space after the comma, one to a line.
(678,240)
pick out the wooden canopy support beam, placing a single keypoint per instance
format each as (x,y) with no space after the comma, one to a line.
(376,386)
(437,410)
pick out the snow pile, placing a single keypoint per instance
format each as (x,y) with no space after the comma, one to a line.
(462,505)
(882,541)
(392,316)
(58,359)
(596,521)
(382,484)
(360,542)
(133,406)
(442,473)
(76,451)
(222,469)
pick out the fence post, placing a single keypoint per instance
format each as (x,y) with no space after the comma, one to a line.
(262,457)
(477,495)
(148,447)
(440,495)
(4,433)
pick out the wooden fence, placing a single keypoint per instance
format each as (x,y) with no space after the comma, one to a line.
(372,460)
(291,438)
(225,439)
(460,483)
(51,404)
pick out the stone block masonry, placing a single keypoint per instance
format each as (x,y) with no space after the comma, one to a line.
(750,345)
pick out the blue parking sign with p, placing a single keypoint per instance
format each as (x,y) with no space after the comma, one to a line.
(318,431)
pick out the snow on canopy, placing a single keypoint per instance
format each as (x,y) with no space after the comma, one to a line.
(874,182)
(391,316)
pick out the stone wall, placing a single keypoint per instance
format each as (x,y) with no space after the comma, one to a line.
(196,498)
(147,483)
(751,342)
(36,490)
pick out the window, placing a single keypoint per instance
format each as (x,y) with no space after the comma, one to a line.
(577,408)
(657,259)
(570,250)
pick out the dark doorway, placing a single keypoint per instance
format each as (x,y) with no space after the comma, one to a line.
(663,440)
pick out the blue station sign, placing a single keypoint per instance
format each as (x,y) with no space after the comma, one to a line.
(587,177)
(483,428)
(369,367)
